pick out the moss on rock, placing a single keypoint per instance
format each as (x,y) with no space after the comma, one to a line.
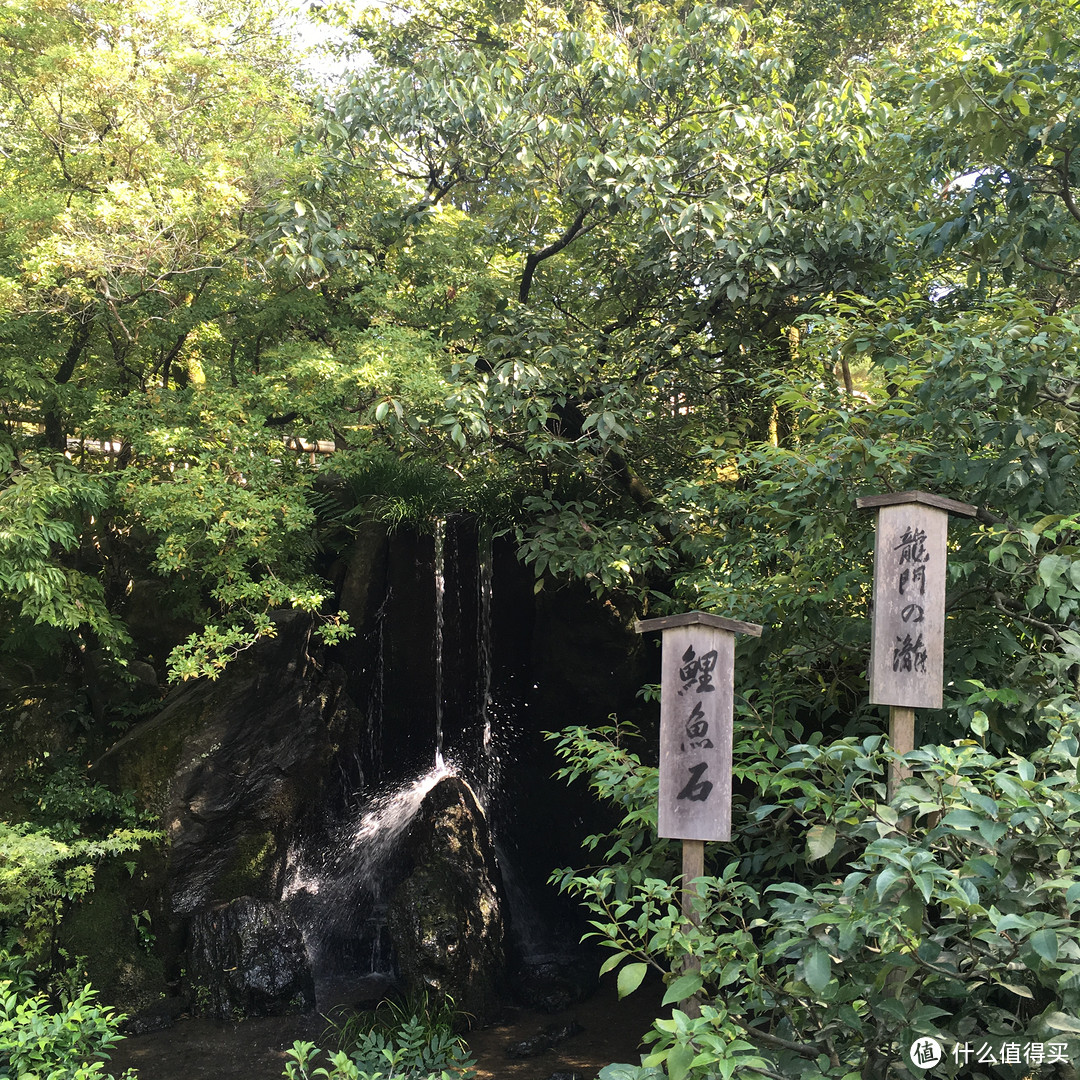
(254,860)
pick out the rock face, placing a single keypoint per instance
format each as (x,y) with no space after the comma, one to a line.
(246,958)
(234,764)
(446,917)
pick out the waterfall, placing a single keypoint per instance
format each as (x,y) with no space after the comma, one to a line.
(442,701)
(375,700)
(342,872)
(338,893)
(440,630)
(386,817)
(484,581)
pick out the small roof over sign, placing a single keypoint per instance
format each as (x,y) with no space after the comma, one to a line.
(897,498)
(698,618)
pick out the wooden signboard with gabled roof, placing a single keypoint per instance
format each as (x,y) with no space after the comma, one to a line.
(696,718)
(907,647)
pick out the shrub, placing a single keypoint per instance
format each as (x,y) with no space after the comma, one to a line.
(842,927)
(41,875)
(394,1042)
(40,1041)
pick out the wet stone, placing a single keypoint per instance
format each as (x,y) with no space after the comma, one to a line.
(555,984)
(246,958)
(160,1016)
(446,919)
(545,1040)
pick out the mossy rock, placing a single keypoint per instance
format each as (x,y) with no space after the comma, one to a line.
(113,933)
(446,917)
(254,859)
(232,766)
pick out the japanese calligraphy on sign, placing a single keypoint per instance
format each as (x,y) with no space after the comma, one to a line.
(696,707)
(907,654)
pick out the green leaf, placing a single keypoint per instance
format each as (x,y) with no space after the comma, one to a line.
(1051,568)
(678,1061)
(820,840)
(963,819)
(612,962)
(1045,944)
(1014,922)
(886,879)
(623,1071)
(630,978)
(817,969)
(684,987)
(1060,1021)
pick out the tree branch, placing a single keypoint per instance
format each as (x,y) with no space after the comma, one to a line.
(1066,188)
(576,228)
(55,435)
(805,1049)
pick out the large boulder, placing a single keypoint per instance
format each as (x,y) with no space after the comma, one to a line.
(233,765)
(446,917)
(246,958)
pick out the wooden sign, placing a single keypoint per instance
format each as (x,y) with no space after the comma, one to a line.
(907,652)
(696,721)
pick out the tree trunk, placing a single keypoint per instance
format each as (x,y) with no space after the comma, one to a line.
(55,427)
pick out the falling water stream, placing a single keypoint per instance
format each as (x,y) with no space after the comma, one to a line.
(339,885)
(440,631)
(439,684)
(340,896)
(487,781)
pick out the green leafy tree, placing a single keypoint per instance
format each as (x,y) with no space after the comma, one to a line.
(660,198)
(726,289)
(142,144)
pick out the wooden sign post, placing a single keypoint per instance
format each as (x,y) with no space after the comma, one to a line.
(907,651)
(697,698)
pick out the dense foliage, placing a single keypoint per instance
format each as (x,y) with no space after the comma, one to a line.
(70,1042)
(416,1040)
(833,933)
(657,289)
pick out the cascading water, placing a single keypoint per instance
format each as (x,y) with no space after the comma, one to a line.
(339,878)
(446,683)
(440,630)
(485,576)
(339,895)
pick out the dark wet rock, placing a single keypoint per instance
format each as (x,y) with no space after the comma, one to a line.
(232,766)
(160,1016)
(556,984)
(361,574)
(544,1040)
(246,958)
(446,919)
